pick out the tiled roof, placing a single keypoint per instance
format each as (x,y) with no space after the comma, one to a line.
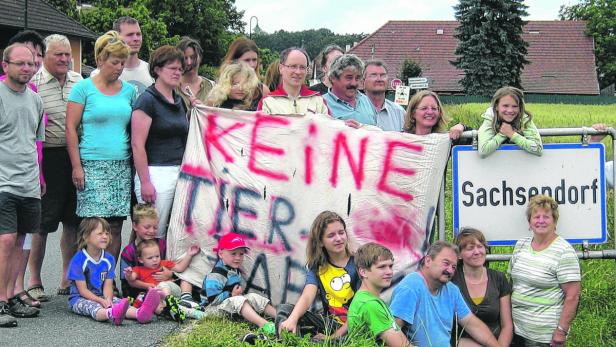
(561,56)
(41,17)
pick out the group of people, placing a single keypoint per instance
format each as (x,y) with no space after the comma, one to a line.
(452,298)
(123,131)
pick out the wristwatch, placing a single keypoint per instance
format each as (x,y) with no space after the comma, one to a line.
(564,331)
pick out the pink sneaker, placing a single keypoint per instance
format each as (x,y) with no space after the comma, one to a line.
(149,305)
(118,311)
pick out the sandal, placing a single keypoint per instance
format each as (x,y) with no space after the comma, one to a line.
(64,291)
(38,292)
(28,300)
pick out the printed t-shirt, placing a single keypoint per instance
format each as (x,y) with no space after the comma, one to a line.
(339,285)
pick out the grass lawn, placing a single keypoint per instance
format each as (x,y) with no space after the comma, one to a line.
(595,324)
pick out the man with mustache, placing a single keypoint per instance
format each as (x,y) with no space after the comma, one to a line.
(344,100)
(425,302)
(389,115)
(54,82)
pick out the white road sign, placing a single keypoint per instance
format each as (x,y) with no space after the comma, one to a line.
(491,194)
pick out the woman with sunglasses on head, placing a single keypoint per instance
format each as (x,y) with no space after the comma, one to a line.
(98,140)
(487,292)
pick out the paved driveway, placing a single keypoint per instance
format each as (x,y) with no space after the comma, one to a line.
(57,326)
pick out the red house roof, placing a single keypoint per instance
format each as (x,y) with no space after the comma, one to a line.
(561,55)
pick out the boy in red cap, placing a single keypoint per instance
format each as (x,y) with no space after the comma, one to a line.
(223,290)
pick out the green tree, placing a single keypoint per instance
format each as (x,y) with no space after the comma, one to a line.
(312,40)
(409,69)
(491,49)
(207,21)
(601,25)
(68,7)
(100,19)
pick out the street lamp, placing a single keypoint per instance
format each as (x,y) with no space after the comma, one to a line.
(250,26)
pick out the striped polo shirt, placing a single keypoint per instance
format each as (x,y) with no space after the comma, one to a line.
(54,102)
(537,299)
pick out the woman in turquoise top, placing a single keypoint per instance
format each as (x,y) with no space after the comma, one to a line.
(97,118)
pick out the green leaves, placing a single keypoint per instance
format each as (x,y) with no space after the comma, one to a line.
(491,50)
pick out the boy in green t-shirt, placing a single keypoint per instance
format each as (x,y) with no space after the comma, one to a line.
(368,312)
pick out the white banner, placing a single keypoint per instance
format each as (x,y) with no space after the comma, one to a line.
(268,177)
(491,194)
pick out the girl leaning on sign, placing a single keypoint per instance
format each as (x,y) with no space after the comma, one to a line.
(507,121)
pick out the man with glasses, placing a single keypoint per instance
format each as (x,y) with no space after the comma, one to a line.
(54,82)
(425,303)
(389,115)
(292,95)
(344,99)
(21,124)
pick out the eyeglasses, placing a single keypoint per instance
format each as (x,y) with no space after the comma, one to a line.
(295,67)
(20,63)
(374,76)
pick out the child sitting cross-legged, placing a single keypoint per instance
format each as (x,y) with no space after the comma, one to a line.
(91,273)
(223,290)
(145,227)
(148,253)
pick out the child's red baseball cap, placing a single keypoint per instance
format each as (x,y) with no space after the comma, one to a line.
(230,242)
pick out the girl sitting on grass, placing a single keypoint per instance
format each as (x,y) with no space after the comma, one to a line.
(507,121)
(332,277)
(91,274)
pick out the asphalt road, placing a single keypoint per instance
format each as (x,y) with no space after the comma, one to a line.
(57,326)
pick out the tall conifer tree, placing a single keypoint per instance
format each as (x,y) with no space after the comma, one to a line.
(491,50)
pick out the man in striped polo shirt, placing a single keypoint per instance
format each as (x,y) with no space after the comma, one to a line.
(54,82)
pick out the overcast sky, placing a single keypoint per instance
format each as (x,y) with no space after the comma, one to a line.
(357,16)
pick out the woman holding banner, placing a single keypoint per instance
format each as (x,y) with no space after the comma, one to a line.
(487,292)
(424,115)
(546,279)
(159,129)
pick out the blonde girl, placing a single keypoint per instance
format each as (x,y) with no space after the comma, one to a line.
(236,88)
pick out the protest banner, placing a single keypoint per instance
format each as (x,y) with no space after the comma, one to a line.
(267,177)
(492,193)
